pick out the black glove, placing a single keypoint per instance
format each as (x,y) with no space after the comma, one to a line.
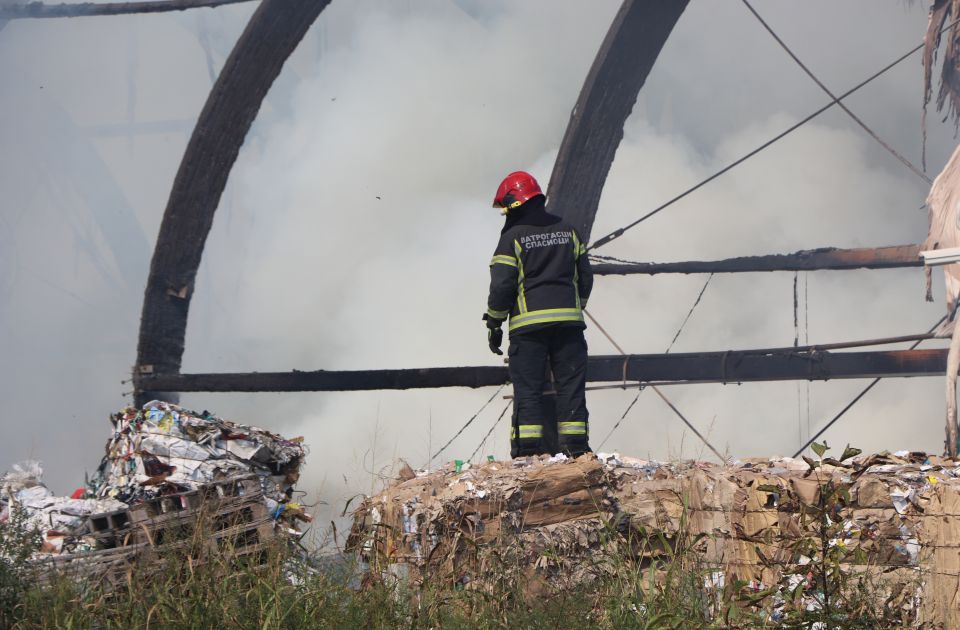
(494,339)
(494,333)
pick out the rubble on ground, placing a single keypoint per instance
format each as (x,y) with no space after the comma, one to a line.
(164,466)
(554,518)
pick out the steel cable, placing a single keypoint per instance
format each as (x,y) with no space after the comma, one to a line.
(620,231)
(836,101)
(859,396)
(490,432)
(468,423)
(658,392)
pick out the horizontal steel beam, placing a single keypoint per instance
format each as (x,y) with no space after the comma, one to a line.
(88,9)
(735,366)
(825,258)
(326,381)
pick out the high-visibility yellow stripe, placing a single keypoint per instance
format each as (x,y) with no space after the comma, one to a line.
(546,316)
(521,293)
(576,268)
(530,431)
(498,314)
(572,428)
(581,247)
(503,260)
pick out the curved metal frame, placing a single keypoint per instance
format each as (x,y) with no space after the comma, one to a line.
(628,52)
(271,36)
(86,9)
(632,45)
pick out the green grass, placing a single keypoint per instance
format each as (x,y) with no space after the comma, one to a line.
(178,593)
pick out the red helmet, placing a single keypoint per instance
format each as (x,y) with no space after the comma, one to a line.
(516,188)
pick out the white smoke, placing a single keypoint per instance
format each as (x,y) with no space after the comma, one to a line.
(356,228)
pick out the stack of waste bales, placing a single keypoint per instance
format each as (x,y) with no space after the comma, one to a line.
(566,522)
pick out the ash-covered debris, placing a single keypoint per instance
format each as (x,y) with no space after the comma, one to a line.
(165,467)
(563,521)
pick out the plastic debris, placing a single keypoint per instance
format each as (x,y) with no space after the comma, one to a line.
(163,446)
(166,461)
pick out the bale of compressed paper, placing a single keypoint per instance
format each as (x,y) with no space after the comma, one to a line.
(164,446)
(561,520)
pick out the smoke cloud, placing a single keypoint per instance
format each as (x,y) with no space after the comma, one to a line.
(355,231)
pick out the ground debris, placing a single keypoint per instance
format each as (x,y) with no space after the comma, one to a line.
(171,478)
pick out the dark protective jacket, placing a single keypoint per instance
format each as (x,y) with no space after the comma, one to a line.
(540,274)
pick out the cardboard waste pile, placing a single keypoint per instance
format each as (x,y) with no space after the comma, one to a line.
(164,468)
(560,519)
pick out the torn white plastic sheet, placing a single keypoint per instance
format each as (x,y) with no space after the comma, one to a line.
(171,447)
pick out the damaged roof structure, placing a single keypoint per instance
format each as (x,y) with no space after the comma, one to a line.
(632,44)
(638,32)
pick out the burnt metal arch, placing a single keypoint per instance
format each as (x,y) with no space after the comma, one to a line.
(632,45)
(271,36)
(628,52)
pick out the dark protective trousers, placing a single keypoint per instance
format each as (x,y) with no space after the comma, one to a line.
(536,429)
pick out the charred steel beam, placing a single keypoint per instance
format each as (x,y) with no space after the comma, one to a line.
(325,381)
(273,33)
(825,258)
(85,9)
(628,52)
(706,367)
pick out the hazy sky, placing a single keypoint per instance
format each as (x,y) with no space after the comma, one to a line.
(426,104)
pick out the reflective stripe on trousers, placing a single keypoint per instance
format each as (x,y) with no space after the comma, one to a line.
(564,350)
(571,428)
(528,431)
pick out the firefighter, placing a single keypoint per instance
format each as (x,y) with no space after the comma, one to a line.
(540,279)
